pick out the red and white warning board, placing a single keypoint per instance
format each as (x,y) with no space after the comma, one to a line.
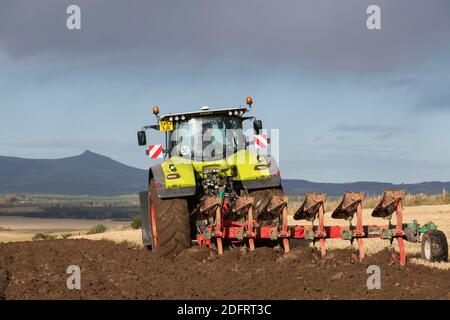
(260,141)
(154,151)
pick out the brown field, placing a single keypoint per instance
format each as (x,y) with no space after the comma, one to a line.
(37,270)
(122,269)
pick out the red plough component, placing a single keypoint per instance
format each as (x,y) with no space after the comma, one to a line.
(351,204)
(392,202)
(244,205)
(312,208)
(278,206)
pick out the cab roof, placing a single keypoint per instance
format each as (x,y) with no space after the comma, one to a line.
(206,112)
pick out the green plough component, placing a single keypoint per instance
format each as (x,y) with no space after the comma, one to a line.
(347,235)
(387,234)
(429,226)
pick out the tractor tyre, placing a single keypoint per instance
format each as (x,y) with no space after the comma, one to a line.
(434,246)
(145,220)
(169,221)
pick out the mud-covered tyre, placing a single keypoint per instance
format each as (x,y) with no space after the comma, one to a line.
(169,222)
(434,246)
(145,220)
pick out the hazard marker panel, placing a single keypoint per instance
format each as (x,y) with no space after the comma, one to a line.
(260,141)
(154,151)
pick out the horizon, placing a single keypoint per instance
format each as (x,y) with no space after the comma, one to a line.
(128,165)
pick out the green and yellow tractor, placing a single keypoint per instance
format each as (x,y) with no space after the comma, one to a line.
(209,180)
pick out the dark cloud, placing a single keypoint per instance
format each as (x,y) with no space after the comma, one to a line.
(361,128)
(407,82)
(429,93)
(323,33)
(378,131)
(433,101)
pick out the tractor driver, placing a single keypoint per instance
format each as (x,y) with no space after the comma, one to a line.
(212,141)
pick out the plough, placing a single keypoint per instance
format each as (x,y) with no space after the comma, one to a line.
(249,230)
(213,190)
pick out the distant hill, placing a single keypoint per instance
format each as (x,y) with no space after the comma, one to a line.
(94,174)
(88,173)
(370,188)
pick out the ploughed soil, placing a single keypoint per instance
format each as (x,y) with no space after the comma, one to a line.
(37,270)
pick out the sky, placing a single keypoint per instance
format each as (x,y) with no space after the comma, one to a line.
(351,104)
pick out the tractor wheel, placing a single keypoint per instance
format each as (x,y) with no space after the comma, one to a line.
(145,220)
(169,222)
(434,246)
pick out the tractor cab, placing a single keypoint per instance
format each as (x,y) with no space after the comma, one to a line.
(207,135)
(204,135)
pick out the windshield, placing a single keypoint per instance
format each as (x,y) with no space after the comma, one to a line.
(207,138)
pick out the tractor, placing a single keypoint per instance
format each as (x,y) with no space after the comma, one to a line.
(215,190)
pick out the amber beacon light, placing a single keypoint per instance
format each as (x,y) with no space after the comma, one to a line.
(155,110)
(249,101)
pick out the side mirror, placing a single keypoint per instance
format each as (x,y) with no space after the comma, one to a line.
(257,126)
(142,138)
